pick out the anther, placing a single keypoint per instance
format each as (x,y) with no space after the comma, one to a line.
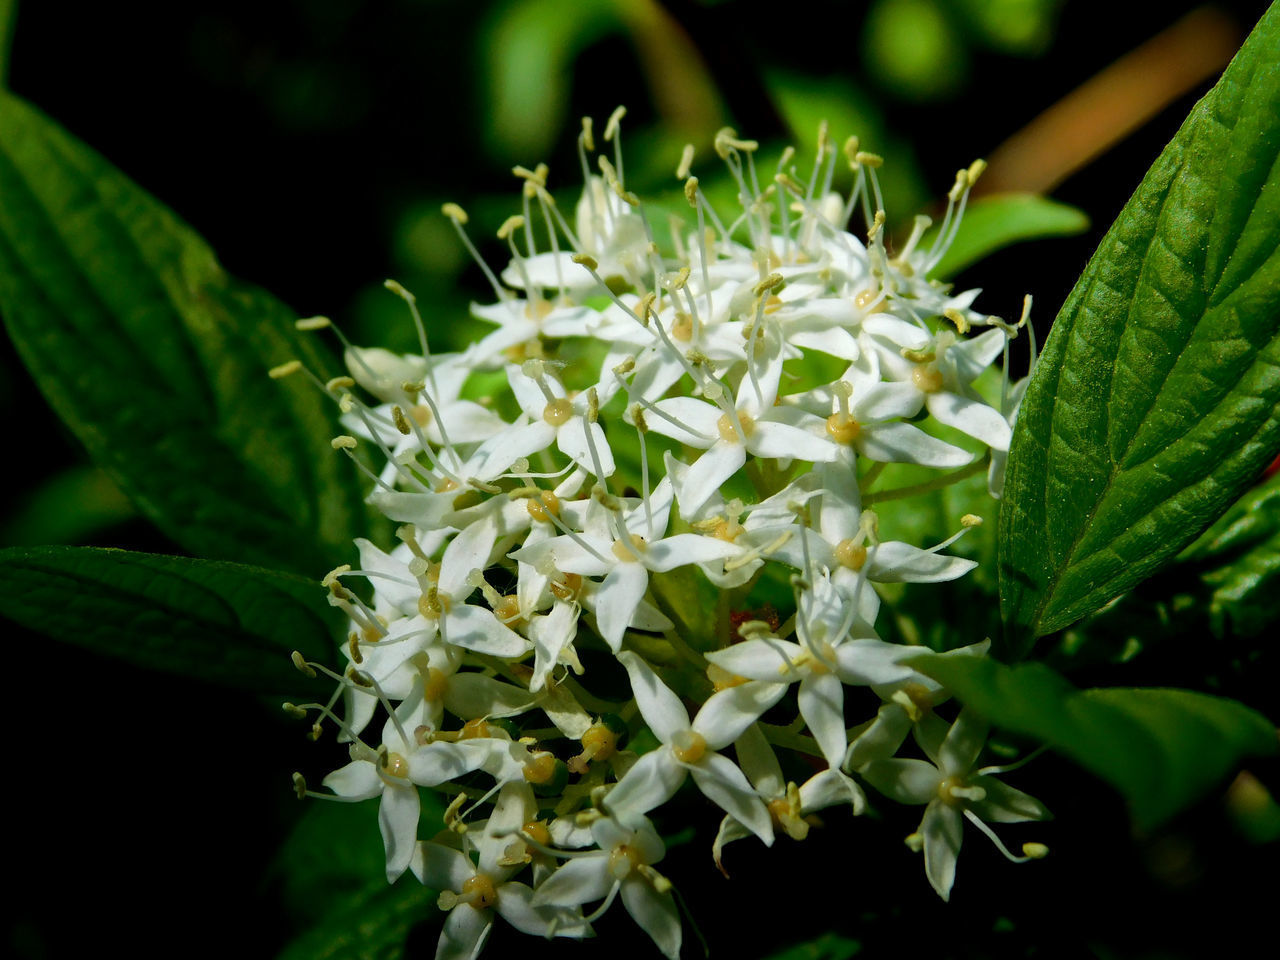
(401,421)
(1036,851)
(293,710)
(284,370)
(872,160)
(971,520)
(585,260)
(691,191)
(686,162)
(958,318)
(300,662)
(588,139)
(614,123)
(455,213)
(300,788)
(312,323)
(510,225)
(343,443)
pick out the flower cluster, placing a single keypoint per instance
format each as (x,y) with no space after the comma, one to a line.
(636,544)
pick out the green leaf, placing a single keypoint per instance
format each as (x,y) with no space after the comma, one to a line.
(372,925)
(158,360)
(8,15)
(1161,748)
(994,222)
(219,622)
(1239,558)
(829,946)
(1157,400)
(69,507)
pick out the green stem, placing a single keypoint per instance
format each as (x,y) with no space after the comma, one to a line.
(938,483)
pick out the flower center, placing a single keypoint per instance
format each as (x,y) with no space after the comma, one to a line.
(850,554)
(558,412)
(927,377)
(396,766)
(953,792)
(682,329)
(688,746)
(567,587)
(729,433)
(434,685)
(630,552)
(622,860)
(544,506)
(507,609)
(541,768)
(842,428)
(479,892)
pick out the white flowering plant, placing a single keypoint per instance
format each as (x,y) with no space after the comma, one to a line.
(638,564)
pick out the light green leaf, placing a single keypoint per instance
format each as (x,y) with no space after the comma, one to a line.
(219,622)
(1161,748)
(158,360)
(373,925)
(1157,400)
(994,222)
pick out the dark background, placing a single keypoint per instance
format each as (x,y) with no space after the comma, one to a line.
(311,144)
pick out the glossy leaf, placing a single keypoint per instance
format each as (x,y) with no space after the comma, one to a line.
(219,622)
(994,222)
(158,360)
(1155,404)
(1161,748)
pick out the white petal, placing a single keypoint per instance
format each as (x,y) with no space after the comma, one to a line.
(821,699)
(651,782)
(464,933)
(572,441)
(897,562)
(661,709)
(515,905)
(616,601)
(357,780)
(943,830)
(903,443)
(577,881)
(904,780)
(656,914)
(441,867)
(685,548)
(783,441)
(759,659)
(724,784)
(726,714)
(972,417)
(696,421)
(398,820)
(475,628)
(709,472)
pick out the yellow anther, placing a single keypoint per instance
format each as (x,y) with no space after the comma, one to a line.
(312,323)
(353,646)
(681,278)
(877,224)
(1036,851)
(971,520)
(401,421)
(588,137)
(691,191)
(585,260)
(343,443)
(914,841)
(538,176)
(300,662)
(337,384)
(454,213)
(769,284)
(842,428)
(927,378)
(479,892)
(614,123)
(686,162)
(537,831)
(958,318)
(558,412)
(792,186)
(598,743)
(851,151)
(873,160)
(284,370)
(300,785)
(510,225)
(976,169)
(689,746)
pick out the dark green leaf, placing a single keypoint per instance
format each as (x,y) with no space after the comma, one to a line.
(158,360)
(220,622)
(1161,748)
(1239,557)
(1155,404)
(994,222)
(372,925)
(829,946)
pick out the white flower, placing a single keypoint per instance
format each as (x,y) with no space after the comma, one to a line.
(953,791)
(690,747)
